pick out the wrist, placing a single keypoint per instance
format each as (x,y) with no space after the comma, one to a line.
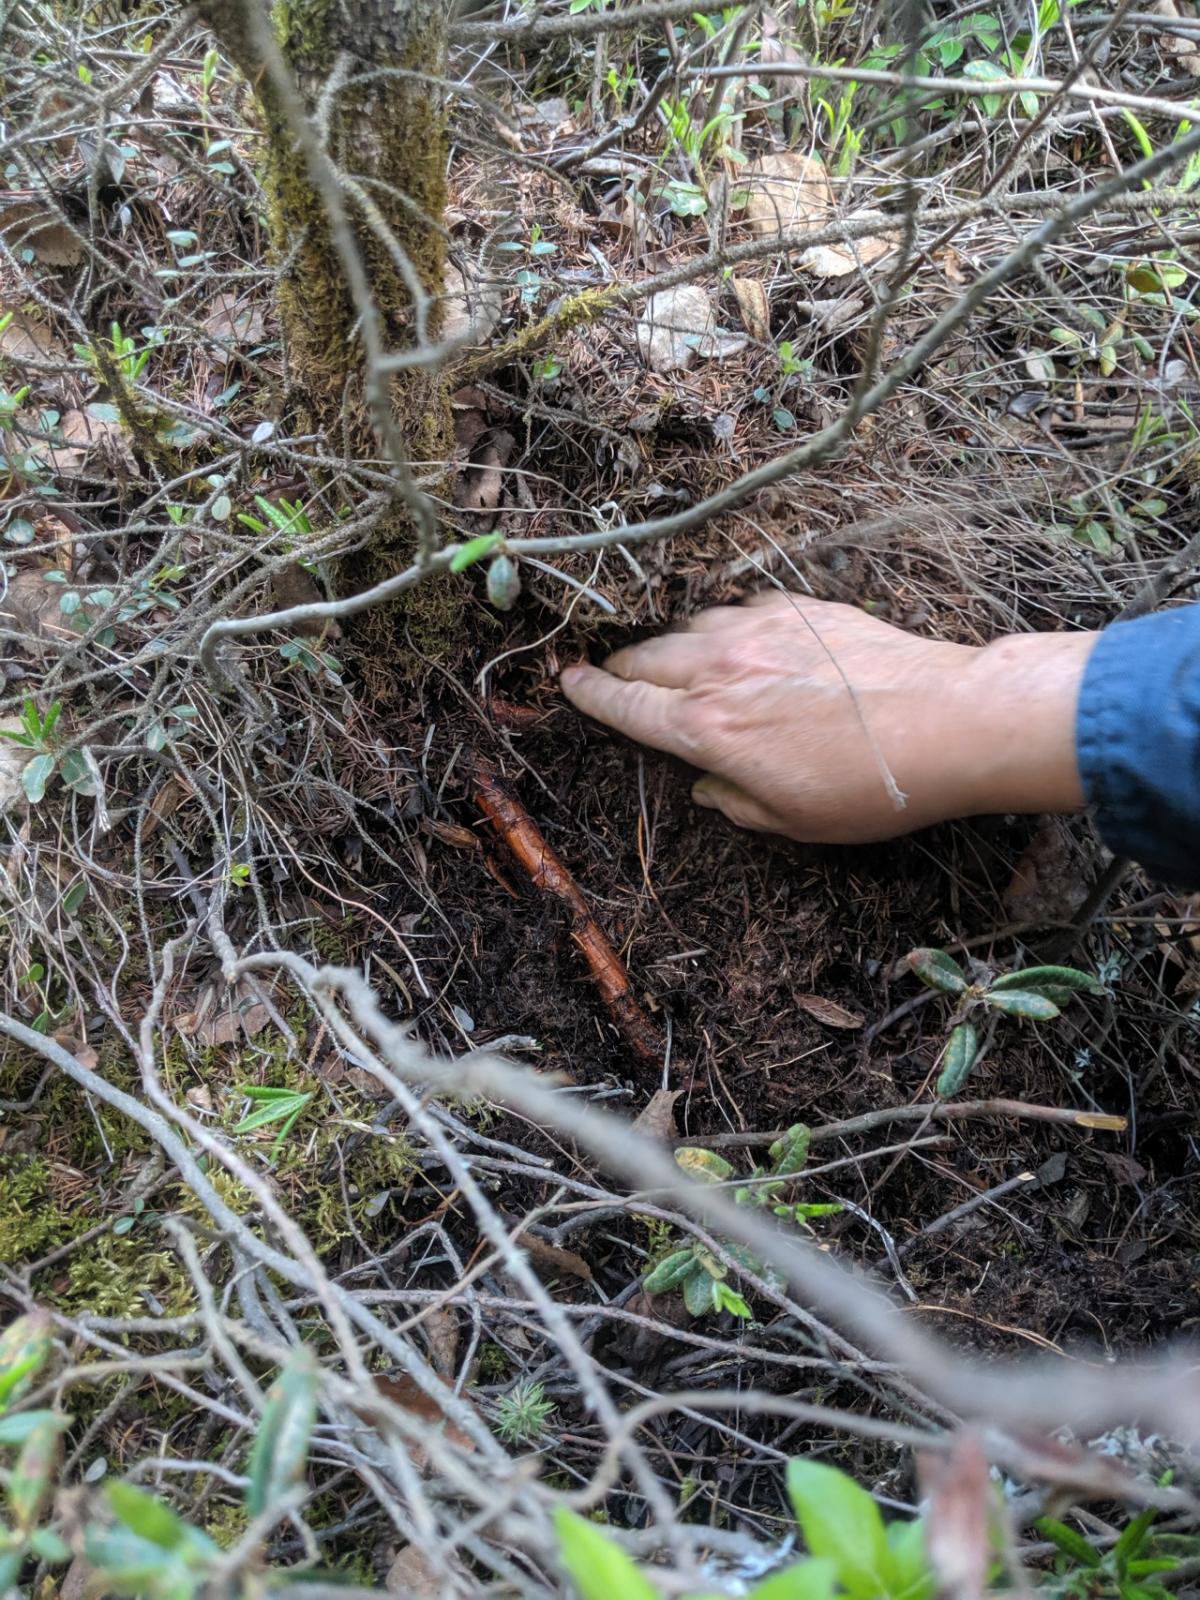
(1019,704)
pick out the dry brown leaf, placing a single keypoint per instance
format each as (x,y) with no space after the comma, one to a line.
(785,192)
(1185,50)
(222,1016)
(26,340)
(551,1259)
(402,1391)
(199,1097)
(836,260)
(77,438)
(12,763)
(774,49)
(678,325)
(657,1118)
(30,607)
(752,303)
(471,307)
(415,1576)
(442,1334)
(829,1012)
(28,222)
(959,1490)
(234,322)
(483,481)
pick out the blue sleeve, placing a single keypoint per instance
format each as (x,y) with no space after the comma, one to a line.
(1138,742)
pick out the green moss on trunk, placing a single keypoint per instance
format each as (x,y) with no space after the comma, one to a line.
(385,130)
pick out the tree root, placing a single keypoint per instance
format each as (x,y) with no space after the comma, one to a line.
(517,830)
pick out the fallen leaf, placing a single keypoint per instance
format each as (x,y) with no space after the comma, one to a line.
(784,192)
(404,1392)
(25,340)
(657,1118)
(231,321)
(482,483)
(773,49)
(441,1330)
(220,1015)
(959,1491)
(76,438)
(678,325)
(12,763)
(471,307)
(829,1012)
(552,1259)
(199,1097)
(751,297)
(30,607)
(414,1575)
(29,222)
(1183,49)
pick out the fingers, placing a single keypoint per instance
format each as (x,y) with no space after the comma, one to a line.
(645,711)
(719,794)
(672,660)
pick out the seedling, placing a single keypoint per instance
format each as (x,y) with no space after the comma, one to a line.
(695,1271)
(272,1105)
(38,733)
(522,1414)
(851,1550)
(1031,994)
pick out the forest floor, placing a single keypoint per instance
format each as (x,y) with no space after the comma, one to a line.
(1038,473)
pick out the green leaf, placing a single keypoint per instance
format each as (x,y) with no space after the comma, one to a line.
(17,1427)
(1151,277)
(47,1546)
(670,1272)
(474,550)
(1132,1539)
(938,970)
(1037,979)
(25,1347)
(32,1479)
(957,1060)
(1024,1003)
(1068,1541)
(698,1291)
(840,1521)
(815,1579)
(705,1165)
(76,773)
(789,1154)
(146,1516)
(19,530)
(281,1446)
(912,1576)
(597,1565)
(288,1103)
(35,775)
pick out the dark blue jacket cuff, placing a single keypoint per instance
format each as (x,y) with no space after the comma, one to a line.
(1138,742)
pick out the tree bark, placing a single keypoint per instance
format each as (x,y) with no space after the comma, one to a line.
(369,78)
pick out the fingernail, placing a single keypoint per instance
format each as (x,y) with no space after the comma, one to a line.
(570,675)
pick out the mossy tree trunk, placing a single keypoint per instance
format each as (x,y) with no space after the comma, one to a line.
(370,76)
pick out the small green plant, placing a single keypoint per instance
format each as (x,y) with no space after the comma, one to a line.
(271,1105)
(695,1271)
(288,517)
(851,1551)
(1032,994)
(791,368)
(1125,1570)
(133,1543)
(40,734)
(522,1413)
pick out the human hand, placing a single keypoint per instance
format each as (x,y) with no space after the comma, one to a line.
(820,722)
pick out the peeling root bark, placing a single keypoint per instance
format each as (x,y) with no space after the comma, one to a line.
(520,834)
